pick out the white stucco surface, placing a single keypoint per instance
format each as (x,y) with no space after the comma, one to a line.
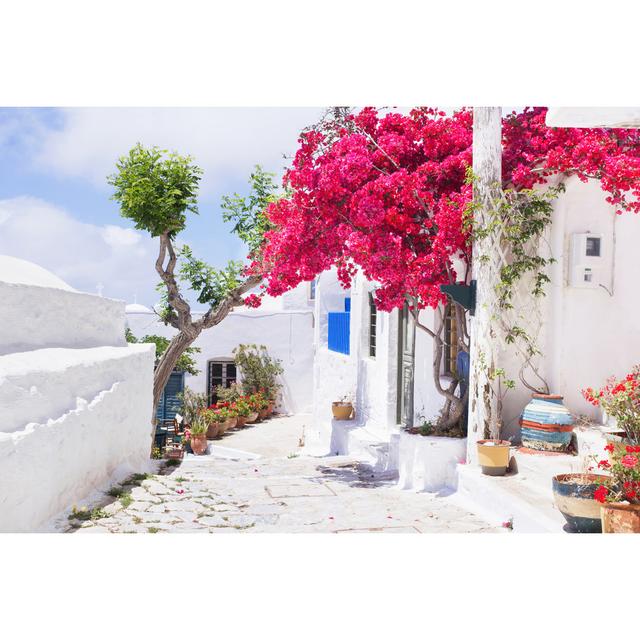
(427,463)
(285,326)
(40,311)
(75,400)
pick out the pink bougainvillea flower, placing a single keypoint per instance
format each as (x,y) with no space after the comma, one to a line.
(629,461)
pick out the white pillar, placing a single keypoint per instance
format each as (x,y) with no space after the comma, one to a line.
(487,168)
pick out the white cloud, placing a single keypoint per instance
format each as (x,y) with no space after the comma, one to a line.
(83,255)
(225,142)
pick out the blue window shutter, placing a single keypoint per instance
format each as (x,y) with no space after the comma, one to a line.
(339,326)
(169,403)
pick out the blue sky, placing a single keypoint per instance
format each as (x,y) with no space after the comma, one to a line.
(55,206)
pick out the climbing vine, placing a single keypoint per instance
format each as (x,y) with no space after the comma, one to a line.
(516,222)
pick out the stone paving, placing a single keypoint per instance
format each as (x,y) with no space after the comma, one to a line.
(281,491)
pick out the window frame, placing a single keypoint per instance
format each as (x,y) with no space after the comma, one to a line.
(372,323)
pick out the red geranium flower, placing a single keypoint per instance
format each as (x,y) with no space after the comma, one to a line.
(600,494)
(629,461)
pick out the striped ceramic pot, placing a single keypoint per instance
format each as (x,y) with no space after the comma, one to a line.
(546,424)
(573,495)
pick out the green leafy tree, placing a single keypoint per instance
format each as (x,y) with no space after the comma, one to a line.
(156,190)
(185,362)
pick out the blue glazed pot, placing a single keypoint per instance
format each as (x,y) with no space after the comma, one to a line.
(546,424)
(573,495)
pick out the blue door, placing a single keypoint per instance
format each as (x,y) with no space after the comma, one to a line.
(169,403)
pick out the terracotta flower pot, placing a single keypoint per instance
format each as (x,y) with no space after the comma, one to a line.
(215,430)
(618,517)
(241,421)
(573,495)
(493,456)
(252,417)
(229,424)
(199,444)
(263,413)
(270,408)
(342,410)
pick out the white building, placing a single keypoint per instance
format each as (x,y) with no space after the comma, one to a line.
(284,325)
(75,399)
(589,330)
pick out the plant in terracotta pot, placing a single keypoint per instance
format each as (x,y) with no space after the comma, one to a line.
(198,435)
(192,404)
(619,493)
(261,404)
(343,409)
(620,399)
(243,411)
(215,421)
(226,410)
(259,371)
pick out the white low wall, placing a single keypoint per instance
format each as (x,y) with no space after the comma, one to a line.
(427,463)
(102,433)
(34,317)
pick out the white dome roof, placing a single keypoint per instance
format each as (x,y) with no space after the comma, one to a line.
(137,308)
(17,271)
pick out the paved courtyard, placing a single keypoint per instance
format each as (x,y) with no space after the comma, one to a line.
(278,490)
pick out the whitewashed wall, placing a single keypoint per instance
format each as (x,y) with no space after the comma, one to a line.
(73,418)
(284,326)
(585,334)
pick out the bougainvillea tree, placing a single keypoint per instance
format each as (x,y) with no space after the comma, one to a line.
(386,194)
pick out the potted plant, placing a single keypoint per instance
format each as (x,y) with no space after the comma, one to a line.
(198,435)
(243,411)
(619,493)
(343,409)
(260,404)
(259,371)
(215,421)
(227,411)
(574,496)
(253,407)
(493,456)
(620,400)
(192,404)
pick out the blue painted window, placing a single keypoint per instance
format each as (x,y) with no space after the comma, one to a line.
(339,326)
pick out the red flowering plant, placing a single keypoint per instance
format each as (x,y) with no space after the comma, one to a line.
(620,398)
(387,195)
(623,484)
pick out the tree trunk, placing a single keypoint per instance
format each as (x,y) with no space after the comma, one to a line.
(483,387)
(167,364)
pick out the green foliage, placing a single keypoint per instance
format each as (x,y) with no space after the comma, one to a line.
(211,285)
(126,499)
(192,404)
(172,462)
(229,394)
(199,426)
(116,491)
(248,213)
(137,479)
(185,362)
(83,513)
(519,220)
(259,370)
(155,189)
